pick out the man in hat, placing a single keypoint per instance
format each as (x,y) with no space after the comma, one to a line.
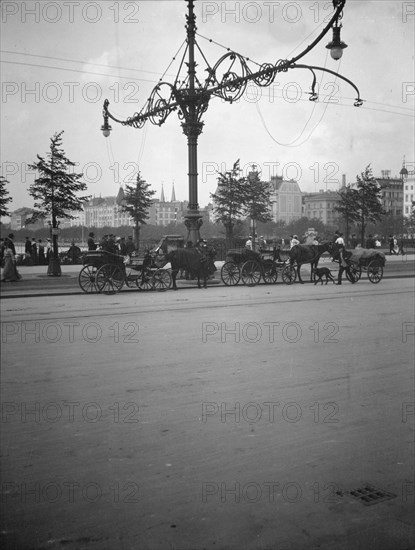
(91,242)
(129,246)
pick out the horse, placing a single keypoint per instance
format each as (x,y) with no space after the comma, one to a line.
(308,254)
(198,263)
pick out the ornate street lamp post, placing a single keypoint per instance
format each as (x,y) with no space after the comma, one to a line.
(227,79)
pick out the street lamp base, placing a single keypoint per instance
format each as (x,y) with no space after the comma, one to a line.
(54,267)
(193,222)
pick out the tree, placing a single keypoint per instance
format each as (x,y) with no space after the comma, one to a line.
(257,201)
(347,207)
(137,201)
(4,198)
(367,201)
(229,201)
(54,192)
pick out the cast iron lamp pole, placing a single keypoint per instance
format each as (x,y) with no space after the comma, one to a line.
(223,81)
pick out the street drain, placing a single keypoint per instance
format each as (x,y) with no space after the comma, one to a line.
(369,495)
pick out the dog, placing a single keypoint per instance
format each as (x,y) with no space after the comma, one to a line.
(321,272)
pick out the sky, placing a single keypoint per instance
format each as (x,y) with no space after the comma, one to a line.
(61,60)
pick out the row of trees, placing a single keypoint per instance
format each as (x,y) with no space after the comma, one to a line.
(238,199)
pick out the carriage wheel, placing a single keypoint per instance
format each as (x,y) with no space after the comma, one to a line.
(374,272)
(270,274)
(251,273)
(289,275)
(87,279)
(161,279)
(109,279)
(230,274)
(145,280)
(354,273)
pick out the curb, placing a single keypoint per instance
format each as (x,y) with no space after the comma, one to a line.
(49,293)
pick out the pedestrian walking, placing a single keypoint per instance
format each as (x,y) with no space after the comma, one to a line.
(400,245)
(41,252)
(34,252)
(10,273)
(391,245)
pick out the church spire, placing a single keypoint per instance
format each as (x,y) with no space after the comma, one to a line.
(162,199)
(173,194)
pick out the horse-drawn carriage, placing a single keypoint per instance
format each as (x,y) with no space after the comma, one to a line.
(250,267)
(107,272)
(361,259)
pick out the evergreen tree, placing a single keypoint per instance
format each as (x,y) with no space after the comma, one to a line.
(347,207)
(137,201)
(367,201)
(54,192)
(4,197)
(257,201)
(229,201)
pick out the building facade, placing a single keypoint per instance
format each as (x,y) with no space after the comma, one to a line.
(286,200)
(320,206)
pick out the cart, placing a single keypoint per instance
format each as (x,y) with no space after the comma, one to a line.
(370,260)
(106,272)
(250,267)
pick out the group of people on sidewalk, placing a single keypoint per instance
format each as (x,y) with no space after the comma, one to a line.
(37,252)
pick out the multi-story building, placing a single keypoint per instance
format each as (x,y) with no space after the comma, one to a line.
(320,206)
(18,219)
(392,193)
(286,200)
(408,181)
(166,212)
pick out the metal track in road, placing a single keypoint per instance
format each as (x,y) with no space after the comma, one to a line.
(186,304)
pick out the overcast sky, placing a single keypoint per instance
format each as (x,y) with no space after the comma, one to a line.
(60,60)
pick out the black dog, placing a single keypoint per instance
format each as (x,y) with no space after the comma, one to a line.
(321,272)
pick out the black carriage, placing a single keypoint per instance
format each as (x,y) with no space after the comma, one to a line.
(250,267)
(370,260)
(107,272)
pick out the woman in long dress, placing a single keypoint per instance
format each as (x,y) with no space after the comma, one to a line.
(10,273)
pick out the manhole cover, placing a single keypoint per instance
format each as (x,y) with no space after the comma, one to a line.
(369,495)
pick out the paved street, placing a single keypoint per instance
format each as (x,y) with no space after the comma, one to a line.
(227,418)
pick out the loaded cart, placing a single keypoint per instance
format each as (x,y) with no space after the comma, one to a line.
(107,272)
(370,260)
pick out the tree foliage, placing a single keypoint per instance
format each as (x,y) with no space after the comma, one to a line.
(137,201)
(229,200)
(4,197)
(55,188)
(362,202)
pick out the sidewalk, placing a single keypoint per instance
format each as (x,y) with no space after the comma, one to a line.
(36,282)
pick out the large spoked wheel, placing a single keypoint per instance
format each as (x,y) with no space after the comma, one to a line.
(230,274)
(161,279)
(145,280)
(270,274)
(87,279)
(251,273)
(374,272)
(353,273)
(289,275)
(109,279)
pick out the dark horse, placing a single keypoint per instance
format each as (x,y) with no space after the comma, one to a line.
(308,254)
(199,264)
